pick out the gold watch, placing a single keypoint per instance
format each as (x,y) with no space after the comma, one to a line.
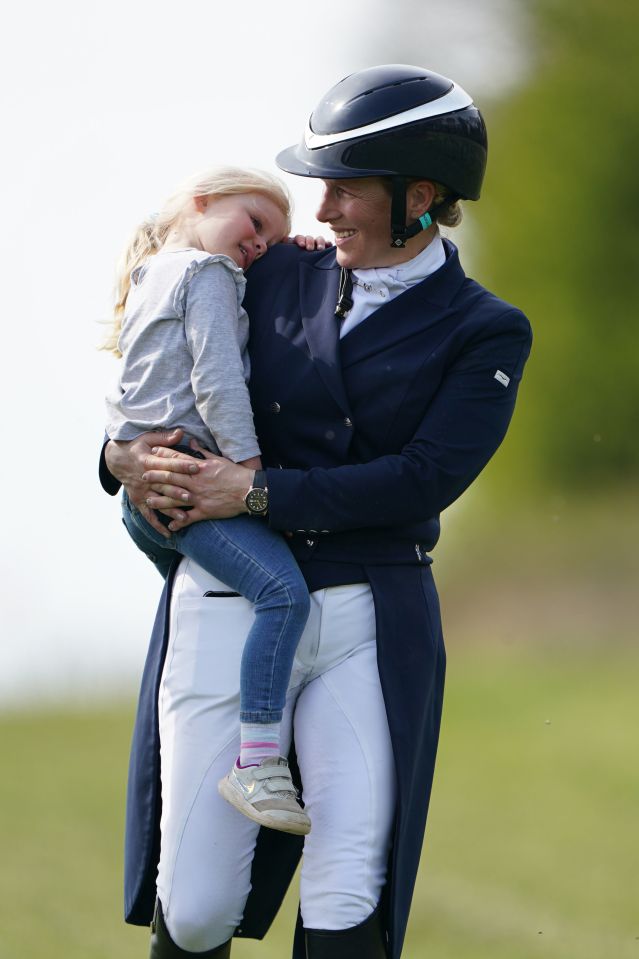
(256,499)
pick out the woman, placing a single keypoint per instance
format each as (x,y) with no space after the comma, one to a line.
(369,431)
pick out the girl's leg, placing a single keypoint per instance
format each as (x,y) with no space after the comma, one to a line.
(161,553)
(256,562)
(345,758)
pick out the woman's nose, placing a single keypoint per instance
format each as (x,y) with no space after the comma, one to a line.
(326,210)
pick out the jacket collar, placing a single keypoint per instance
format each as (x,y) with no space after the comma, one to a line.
(419,307)
(439,288)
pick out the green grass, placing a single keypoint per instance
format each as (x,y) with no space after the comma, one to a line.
(531,848)
(532,841)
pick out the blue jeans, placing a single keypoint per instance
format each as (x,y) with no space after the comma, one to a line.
(255,562)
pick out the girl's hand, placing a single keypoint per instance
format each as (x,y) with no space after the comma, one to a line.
(309,243)
(215,490)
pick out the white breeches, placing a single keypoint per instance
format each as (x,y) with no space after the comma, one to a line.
(343,747)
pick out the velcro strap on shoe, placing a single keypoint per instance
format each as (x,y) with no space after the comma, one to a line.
(276,780)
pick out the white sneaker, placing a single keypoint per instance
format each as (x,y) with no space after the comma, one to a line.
(266,794)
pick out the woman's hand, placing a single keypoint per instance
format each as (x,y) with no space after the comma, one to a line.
(214,490)
(128,460)
(309,243)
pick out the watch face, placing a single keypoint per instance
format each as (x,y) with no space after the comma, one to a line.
(257,500)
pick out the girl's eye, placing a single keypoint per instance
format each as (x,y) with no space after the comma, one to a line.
(257,224)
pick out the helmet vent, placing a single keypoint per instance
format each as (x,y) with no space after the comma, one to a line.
(376,94)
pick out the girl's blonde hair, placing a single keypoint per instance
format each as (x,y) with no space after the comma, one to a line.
(152,233)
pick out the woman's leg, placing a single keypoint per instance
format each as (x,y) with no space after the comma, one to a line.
(345,758)
(206,848)
(163,947)
(365,939)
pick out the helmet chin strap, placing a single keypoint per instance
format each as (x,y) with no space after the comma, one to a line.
(399,231)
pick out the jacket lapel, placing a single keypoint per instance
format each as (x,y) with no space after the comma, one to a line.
(318,297)
(421,306)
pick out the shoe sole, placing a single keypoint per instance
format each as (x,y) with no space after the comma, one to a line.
(235,798)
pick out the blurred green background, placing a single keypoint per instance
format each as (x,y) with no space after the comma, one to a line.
(532,843)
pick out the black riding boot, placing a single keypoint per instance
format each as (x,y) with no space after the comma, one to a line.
(163,947)
(365,941)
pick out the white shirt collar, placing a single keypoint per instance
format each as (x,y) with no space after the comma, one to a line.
(407,273)
(374,287)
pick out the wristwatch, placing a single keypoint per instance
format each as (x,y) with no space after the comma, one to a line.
(256,499)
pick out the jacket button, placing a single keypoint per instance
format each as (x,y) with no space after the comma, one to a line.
(274,408)
(310,542)
(348,421)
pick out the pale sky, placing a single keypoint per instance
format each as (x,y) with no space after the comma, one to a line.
(105,108)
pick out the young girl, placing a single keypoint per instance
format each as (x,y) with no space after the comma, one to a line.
(182,334)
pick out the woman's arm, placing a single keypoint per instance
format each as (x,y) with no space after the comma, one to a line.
(460,431)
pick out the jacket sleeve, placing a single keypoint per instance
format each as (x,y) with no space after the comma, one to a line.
(462,427)
(108,481)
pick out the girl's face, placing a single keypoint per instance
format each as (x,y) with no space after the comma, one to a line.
(241,226)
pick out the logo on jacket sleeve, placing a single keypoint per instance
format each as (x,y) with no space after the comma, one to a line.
(502,378)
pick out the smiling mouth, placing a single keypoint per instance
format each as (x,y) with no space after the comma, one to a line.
(341,236)
(246,256)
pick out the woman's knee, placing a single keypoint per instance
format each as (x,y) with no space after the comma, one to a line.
(323,908)
(197,924)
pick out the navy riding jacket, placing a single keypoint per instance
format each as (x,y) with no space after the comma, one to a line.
(366,440)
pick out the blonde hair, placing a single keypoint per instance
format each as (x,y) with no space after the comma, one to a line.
(152,233)
(452,214)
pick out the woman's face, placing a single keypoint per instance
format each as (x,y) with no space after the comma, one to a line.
(358,212)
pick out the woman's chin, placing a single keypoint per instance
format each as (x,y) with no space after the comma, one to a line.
(346,258)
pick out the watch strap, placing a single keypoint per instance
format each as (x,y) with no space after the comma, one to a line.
(259,481)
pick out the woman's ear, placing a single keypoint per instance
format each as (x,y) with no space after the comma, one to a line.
(200,203)
(419,198)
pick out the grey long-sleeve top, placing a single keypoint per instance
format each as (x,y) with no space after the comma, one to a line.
(184,356)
